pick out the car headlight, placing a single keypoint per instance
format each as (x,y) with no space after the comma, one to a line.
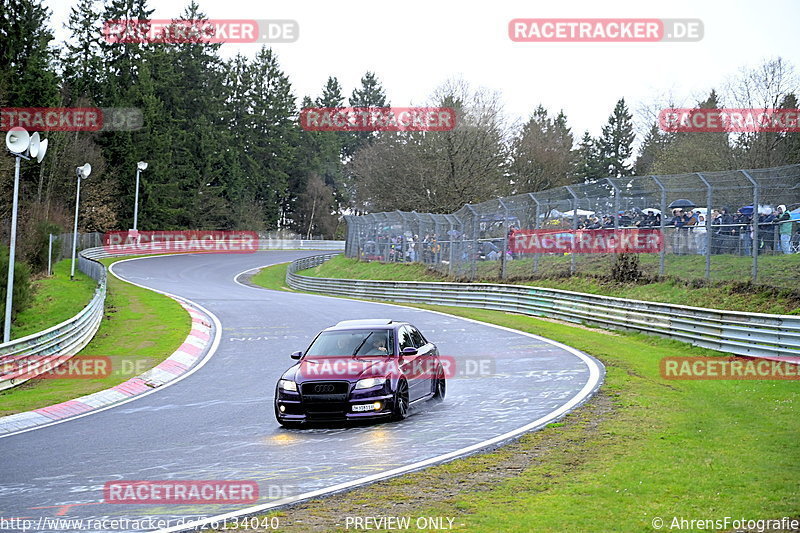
(370,382)
(285,384)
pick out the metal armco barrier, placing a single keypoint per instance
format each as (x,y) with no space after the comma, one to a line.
(750,334)
(39,352)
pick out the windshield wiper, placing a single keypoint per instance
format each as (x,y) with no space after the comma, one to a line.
(362,343)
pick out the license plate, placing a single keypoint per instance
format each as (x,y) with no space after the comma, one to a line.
(362,408)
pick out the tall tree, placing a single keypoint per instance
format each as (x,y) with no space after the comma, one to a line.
(370,94)
(695,151)
(27,74)
(541,154)
(83,56)
(590,162)
(267,137)
(788,145)
(616,141)
(652,149)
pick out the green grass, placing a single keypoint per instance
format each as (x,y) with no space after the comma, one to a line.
(730,296)
(342,267)
(273,277)
(781,271)
(140,329)
(644,447)
(55,300)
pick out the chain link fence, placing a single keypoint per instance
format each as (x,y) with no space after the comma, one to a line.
(715,225)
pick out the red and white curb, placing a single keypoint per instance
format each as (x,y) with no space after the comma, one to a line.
(183,359)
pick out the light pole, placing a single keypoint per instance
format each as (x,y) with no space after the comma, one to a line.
(83,173)
(141,165)
(22,146)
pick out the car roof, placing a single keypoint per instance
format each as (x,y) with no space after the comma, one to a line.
(381,323)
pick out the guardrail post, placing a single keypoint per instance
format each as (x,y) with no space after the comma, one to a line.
(754,246)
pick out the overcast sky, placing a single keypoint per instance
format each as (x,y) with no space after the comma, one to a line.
(414,46)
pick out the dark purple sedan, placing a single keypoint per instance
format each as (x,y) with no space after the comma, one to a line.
(360,369)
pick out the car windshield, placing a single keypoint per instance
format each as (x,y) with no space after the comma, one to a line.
(351,343)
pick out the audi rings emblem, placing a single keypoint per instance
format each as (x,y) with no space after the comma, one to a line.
(323,388)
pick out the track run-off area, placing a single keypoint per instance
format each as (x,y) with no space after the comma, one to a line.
(217,423)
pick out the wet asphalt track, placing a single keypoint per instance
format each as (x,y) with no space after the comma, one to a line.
(218,423)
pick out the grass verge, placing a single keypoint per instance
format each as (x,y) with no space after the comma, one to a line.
(140,329)
(731,296)
(55,300)
(642,449)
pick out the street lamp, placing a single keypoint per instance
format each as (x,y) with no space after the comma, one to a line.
(22,146)
(83,173)
(141,165)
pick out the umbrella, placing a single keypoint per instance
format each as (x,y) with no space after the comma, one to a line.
(746,210)
(579,212)
(683,202)
(652,211)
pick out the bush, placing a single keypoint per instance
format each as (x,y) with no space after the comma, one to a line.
(23,289)
(626,268)
(37,255)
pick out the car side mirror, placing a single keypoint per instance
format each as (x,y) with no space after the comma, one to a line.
(409,350)
(297,355)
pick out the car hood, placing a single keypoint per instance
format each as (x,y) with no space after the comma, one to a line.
(343,368)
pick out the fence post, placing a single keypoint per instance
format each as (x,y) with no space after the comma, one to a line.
(536,227)
(451,243)
(708,224)
(663,252)
(505,239)
(754,245)
(474,258)
(574,227)
(49,254)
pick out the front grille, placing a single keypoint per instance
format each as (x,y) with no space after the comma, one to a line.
(330,389)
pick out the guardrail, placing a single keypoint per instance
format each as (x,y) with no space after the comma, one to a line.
(27,357)
(749,334)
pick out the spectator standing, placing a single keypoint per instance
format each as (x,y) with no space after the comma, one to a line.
(699,232)
(784,221)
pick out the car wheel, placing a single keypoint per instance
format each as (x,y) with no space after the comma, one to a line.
(439,387)
(400,410)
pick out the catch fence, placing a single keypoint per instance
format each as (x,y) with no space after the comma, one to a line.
(713,236)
